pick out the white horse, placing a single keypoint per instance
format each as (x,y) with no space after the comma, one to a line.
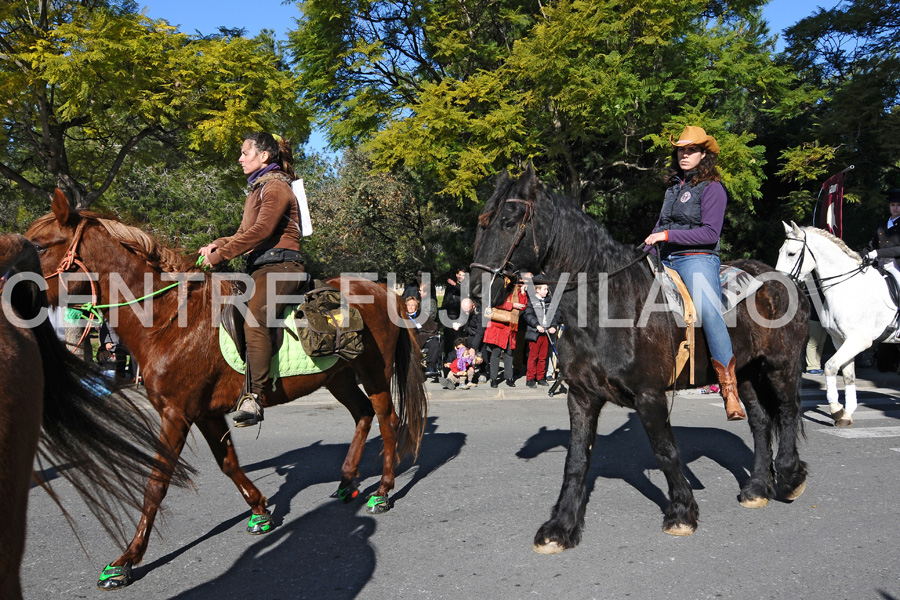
(856,304)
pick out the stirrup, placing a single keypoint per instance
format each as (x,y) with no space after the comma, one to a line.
(249,411)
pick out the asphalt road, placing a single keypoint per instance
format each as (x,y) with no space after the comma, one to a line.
(488,474)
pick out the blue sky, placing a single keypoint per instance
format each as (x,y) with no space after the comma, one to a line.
(205,16)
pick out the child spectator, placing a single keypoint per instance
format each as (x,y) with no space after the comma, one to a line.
(540,323)
(461,365)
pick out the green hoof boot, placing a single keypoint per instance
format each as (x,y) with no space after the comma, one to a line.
(113,578)
(378,505)
(259,524)
(346,494)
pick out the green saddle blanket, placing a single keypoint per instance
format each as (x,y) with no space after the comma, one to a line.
(290,359)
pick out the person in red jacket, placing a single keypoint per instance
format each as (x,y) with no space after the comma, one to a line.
(500,339)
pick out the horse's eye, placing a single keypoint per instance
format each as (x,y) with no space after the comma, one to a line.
(39,247)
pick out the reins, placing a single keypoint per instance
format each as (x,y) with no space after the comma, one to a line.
(505,267)
(91,308)
(819,280)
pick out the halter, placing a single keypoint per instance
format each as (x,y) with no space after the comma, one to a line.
(506,269)
(71,258)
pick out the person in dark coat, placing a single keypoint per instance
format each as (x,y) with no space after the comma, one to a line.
(884,248)
(541,323)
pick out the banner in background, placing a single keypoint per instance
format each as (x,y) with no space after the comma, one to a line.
(831,216)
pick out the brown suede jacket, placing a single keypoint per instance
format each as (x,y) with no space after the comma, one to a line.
(265,223)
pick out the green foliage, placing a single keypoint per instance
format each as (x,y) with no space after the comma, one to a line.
(380,223)
(845,109)
(95,84)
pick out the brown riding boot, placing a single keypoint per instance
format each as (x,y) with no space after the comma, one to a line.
(728,383)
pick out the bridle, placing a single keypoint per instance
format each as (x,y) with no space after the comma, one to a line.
(72,259)
(818,281)
(506,269)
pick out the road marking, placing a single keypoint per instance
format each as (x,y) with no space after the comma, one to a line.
(868,432)
(895,449)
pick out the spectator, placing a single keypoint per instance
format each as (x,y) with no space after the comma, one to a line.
(426,336)
(461,365)
(109,341)
(540,323)
(500,336)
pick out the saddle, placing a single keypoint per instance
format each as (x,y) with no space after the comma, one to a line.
(893,330)
(316,329)
(737,285)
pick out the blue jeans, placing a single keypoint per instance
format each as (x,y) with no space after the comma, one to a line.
(700,273)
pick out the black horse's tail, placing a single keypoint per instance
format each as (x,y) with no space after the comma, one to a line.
(97,439)
(409,389)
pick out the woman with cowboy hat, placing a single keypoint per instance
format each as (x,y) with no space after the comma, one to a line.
(688,231)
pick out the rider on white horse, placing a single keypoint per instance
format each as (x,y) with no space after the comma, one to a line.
(885,244)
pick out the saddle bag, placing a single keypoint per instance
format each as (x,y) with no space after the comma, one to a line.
(329,329)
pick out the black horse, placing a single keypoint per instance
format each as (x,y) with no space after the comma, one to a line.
(526,228)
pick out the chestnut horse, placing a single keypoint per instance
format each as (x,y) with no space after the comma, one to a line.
(52,406)
(612,357)
(188,381)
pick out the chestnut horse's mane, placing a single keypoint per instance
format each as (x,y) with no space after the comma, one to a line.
(157,255)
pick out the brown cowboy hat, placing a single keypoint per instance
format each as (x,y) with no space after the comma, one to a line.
(696,136)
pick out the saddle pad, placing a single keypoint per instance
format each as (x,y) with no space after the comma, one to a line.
(737,286)
(290,359)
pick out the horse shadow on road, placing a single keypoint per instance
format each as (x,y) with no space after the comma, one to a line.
(325,553)
(626,454)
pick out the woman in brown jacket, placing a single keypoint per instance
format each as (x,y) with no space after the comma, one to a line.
(270,233)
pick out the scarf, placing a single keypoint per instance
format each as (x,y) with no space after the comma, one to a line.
(260,172)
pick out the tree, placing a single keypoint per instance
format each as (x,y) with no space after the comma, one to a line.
(382,223)
(846,108)
(87,86)
(588,91)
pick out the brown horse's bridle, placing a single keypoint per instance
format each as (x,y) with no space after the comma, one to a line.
(508,273)
(71,259)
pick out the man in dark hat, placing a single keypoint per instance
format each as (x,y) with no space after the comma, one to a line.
(884,248)
(885,244)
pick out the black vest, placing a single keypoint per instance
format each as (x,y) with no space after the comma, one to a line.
(681,210)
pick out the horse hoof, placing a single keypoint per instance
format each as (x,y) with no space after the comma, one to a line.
(346,494)
(259,524)
(114,578)
(680,529)
(378,505)
(755,502)
(842,419)
(548,547)
(797,492)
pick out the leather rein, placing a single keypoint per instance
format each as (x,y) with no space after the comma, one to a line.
(506,269)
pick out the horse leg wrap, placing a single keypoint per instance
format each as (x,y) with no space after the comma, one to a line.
(831,391)
(259,524)
(112,578)
(850,401)
(346,494)
(378,504)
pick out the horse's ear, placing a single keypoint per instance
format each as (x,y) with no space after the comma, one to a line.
(61,207)
(787,228)
(796,230)
(502,178)
(531,180)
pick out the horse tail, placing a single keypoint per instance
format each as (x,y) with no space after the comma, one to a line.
(98,440)
(409,389)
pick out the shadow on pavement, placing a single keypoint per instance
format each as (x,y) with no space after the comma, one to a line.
(626,454)
(324,553)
